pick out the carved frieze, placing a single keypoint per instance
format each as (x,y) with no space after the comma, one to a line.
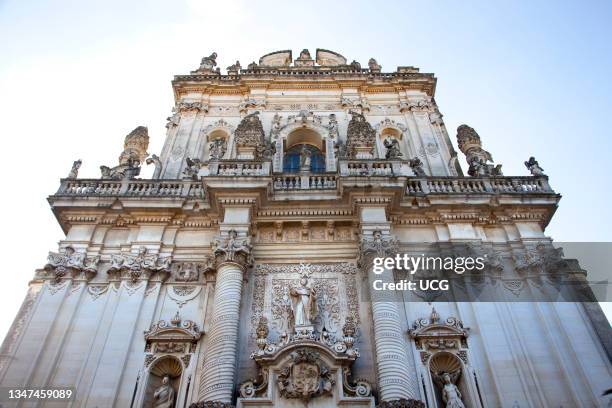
(191,271)
(142,265)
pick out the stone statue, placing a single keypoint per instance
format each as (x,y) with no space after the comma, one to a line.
(76,165)
(450,393)
(208,63)
(532,165)
(164,395)
(303,303)
(393,149)
(217,148)
(193,168)
(305,158)
(234,69)
(417,167)
(154,159)
(373,65)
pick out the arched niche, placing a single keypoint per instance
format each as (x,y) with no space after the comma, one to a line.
(219,130)
(447,363)
(443,348)
(390,128)
(166,366)
(307,129)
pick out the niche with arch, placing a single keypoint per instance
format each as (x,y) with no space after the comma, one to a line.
(301,142)
(443,348)
(171,367)
(388,128)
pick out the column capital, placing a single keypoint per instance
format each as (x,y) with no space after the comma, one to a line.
(230,248)
(378,245)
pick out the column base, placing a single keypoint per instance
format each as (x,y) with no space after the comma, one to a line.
(401,403)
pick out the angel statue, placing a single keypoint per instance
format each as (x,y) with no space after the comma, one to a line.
(534,167)
(393,149)
(450,392)
(303,303)
(164,394)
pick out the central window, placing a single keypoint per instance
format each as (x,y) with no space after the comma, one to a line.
(295,156)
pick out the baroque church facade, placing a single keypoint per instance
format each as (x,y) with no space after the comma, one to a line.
(240,274)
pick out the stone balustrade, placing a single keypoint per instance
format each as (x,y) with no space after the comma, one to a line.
(137,188)
(305,182)
(467,185)
(239,168)
(288,182)
(373,168)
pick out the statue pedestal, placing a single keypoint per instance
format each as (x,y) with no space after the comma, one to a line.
(304,330)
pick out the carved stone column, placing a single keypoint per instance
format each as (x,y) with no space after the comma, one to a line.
(394,368)
(232,255)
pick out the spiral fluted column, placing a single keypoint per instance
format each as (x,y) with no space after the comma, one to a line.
(219,366)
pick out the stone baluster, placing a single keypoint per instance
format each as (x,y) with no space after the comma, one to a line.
(232,254)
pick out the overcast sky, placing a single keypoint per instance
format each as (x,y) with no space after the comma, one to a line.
(533,78)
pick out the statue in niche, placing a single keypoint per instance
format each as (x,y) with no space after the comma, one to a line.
(154,159)
(164,395)
(217,148)
(417,167)
(305,158)
(534,167)
(450,392)
(393,149)
(303,303)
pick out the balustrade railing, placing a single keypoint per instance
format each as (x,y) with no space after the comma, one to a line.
(288,182)
(136,188)
(466,185)
(369,168)
(239,168)
(304,182)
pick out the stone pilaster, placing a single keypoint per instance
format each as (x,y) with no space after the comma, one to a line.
(232,255)
(392,361)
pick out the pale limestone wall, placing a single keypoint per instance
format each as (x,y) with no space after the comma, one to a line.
(422,135)
(90,335)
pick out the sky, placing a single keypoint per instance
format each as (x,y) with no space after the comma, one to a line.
(532,77)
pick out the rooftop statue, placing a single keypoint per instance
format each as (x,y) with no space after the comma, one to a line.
(534,167)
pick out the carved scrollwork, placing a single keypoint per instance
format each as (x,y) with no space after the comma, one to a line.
(72,263)
(140,266)
(356,388)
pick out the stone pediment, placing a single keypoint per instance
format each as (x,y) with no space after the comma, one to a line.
(176,330)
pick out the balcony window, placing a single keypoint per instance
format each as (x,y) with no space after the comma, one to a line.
(293,159)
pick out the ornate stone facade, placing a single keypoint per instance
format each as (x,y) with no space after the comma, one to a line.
(241,273)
